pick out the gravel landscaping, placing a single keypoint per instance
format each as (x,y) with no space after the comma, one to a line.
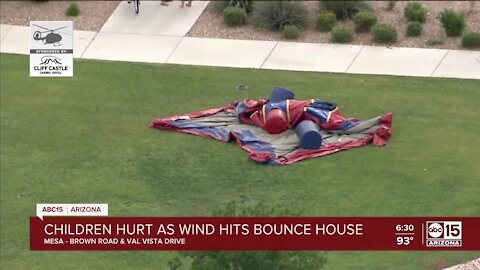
(93,14)
(210,24)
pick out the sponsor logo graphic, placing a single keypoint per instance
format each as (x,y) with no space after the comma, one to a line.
(47,59)
(444,233)
(49,36)
(51,49)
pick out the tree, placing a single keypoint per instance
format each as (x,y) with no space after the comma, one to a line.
(245,260)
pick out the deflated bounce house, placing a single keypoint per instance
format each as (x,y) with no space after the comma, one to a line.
(282,130)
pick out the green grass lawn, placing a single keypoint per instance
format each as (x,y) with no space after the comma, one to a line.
(85,139)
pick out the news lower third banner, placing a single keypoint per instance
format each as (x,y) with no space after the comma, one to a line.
(254,233)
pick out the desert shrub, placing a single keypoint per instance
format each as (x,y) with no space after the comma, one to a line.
(364,20)
(326,21)
(414,29)
(341,34)
(234,16)
(291,32)
(452,22)
(415,11)
(243,4)
(471,40)
(345,9)
(220,5)
(384,33)
(434,42)
(221,260)
(274,15)
(73,10)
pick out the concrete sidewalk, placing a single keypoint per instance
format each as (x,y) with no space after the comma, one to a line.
(157,35)
(471,265)
(154,19)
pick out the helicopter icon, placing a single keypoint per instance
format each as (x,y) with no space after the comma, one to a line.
(51,37)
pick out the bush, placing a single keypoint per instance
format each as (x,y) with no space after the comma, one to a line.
(414,29)
(220,5)
(73,10)
(384,33)
(280,260)
(364,20)
(471,40)
(326,21)
(341,34)
(415,12)
(345,9)
(234,16)
(291,32)
(452,22)
(243,4)
(274,15)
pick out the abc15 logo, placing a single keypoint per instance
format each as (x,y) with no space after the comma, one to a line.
(448,230)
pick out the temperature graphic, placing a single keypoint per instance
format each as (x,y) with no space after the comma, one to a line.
(404,240)
(404,234)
